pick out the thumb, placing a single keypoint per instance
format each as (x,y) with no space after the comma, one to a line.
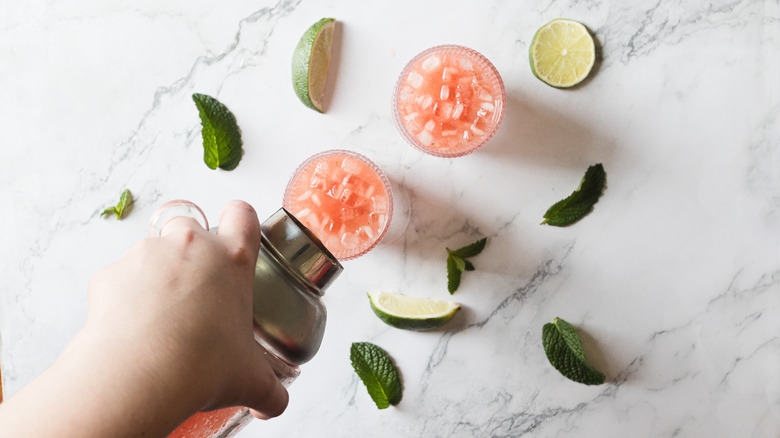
(265,395)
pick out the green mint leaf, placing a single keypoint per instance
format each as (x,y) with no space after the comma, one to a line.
(457,263)
(111,210)
(470,250)
(125,199)
(581,201)
(220,132)
(378,372)
(564,351)
(453,274)
(460,264)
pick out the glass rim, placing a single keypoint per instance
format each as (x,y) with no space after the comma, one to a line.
(482,59)
(382,177)
(173,209)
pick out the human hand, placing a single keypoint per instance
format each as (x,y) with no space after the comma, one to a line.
(184,302)
(168,332)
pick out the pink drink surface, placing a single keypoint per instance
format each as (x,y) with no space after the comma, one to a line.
(343,199)
(450,100)
(211,423)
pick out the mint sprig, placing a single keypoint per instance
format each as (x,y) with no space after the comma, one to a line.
(457,263)
(125,199)
(564,351)
(220,132)
(378,372)
(581,201)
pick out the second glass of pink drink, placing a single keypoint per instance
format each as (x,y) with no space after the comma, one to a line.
(344,199)
(449,101)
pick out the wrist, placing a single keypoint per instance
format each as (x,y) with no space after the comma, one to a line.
(98,387)
(124,376)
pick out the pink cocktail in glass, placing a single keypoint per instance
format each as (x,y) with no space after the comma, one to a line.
(449,101)
(344,199)
(222,423)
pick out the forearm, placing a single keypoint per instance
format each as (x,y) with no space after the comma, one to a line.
(83,394)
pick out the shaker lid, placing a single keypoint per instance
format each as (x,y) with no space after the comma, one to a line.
(298,248)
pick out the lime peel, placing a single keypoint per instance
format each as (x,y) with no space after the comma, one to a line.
(411,313)
(310,63)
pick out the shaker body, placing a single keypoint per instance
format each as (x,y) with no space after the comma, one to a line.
(289,320)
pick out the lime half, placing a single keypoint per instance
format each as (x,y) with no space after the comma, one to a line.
(410,313)
(562,53)
(310,63)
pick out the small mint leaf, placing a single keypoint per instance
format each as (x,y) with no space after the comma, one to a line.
(564,351)
(378,372)
(453,275)
(220,132)
(459,262)
(110,210)
(581,201)
(472,249)
(125,199)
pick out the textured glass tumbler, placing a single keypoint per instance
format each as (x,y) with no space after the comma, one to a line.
(449,101)
(344,198)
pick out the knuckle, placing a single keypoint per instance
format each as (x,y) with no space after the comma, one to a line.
(242,254)
(183,238)
(187,236)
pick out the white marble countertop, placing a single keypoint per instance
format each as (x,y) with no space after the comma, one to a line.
(673,280)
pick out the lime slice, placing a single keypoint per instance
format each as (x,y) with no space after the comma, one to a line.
(410,313)
(310,63)
(562,53)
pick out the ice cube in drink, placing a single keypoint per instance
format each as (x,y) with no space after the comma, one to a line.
(344,199)
(449,101)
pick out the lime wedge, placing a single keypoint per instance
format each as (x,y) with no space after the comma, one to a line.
(310,63)
(562,53)
(410,313)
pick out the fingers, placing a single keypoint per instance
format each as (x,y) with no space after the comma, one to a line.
(173,209)
(179,224)
(267,397)
(238,222)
